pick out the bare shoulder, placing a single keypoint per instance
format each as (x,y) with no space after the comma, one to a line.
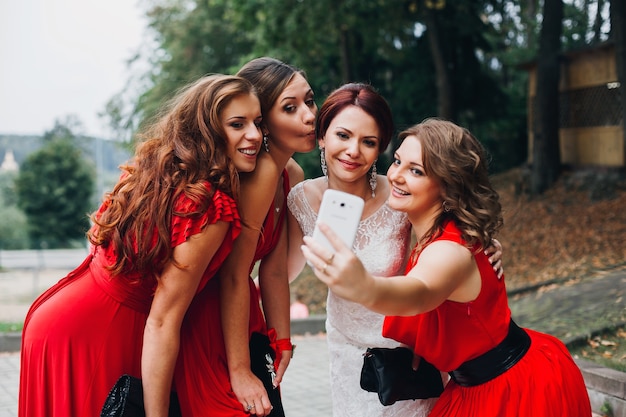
(266,170)
(295,172)
(445,256)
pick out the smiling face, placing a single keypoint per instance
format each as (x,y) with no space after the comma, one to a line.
(351,145)
(412,191)
(291,120)
(241,121)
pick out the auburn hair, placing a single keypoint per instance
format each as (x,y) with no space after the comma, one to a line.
(180,152)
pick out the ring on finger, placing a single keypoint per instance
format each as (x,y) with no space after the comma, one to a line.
(249,407)
(324,268)
(330,259)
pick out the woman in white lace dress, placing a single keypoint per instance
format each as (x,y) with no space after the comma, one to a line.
(353,127)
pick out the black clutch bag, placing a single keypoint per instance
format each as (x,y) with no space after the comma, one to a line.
(126,400)
(389,372)
(262,365)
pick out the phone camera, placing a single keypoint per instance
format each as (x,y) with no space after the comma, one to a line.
(342,204)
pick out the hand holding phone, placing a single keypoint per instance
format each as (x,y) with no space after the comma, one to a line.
(341,212)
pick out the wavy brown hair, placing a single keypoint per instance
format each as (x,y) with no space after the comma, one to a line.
(180,152)
(454,158)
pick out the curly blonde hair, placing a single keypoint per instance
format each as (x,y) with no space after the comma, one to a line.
(181,151)
(454,158)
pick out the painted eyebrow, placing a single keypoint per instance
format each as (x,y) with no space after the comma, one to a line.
(414,164)
(365,137)
(308,94)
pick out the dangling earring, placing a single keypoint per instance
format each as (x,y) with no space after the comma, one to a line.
(373,179)
(265,145)
(445,206)
(323,163)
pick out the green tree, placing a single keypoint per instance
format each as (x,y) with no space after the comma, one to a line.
(456,59)
(189,39)
(54,189)
(13,228)
(13,234)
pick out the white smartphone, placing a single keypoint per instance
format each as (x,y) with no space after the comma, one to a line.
(342,213)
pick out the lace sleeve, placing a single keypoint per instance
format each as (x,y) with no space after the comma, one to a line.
(301,209)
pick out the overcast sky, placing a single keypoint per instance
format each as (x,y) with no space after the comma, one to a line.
(64,57)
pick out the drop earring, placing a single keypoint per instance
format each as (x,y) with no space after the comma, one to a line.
(265,144)
(373,179)
(323,163)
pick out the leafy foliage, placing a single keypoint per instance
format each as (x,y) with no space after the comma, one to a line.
(54,187)
(13,233)
(382,42)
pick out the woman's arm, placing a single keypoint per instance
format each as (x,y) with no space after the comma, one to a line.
(445,271)
(176,288)
(275,295)
(256,195)
(295,258)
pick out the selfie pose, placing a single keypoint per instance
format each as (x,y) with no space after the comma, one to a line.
(354,126)
(449,307)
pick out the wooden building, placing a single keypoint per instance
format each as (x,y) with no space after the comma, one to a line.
(590,125)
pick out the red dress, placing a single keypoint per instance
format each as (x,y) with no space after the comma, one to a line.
(545,382)
(201,375)
(85,331)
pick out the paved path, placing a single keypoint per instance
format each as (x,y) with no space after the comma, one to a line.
(305,388)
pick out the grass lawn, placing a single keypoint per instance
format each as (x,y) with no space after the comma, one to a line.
(10,327)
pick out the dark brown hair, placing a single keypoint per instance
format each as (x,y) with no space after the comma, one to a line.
(270,77)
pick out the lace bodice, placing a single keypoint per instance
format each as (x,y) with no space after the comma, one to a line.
(382,238)
(381,243)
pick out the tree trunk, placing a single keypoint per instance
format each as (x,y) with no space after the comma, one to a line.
(445,91)
(618,34)
(597,23)
(346,74)
(546,165)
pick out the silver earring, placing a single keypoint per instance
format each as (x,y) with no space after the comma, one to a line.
(445,206)
(373,179)
(323,162)
(265,145)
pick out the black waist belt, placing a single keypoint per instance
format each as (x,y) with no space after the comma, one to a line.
(494,362)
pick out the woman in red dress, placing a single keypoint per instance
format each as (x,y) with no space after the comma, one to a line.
(449,307)
(157,240)
(214,375)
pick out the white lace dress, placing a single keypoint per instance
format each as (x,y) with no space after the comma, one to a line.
(381,243)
